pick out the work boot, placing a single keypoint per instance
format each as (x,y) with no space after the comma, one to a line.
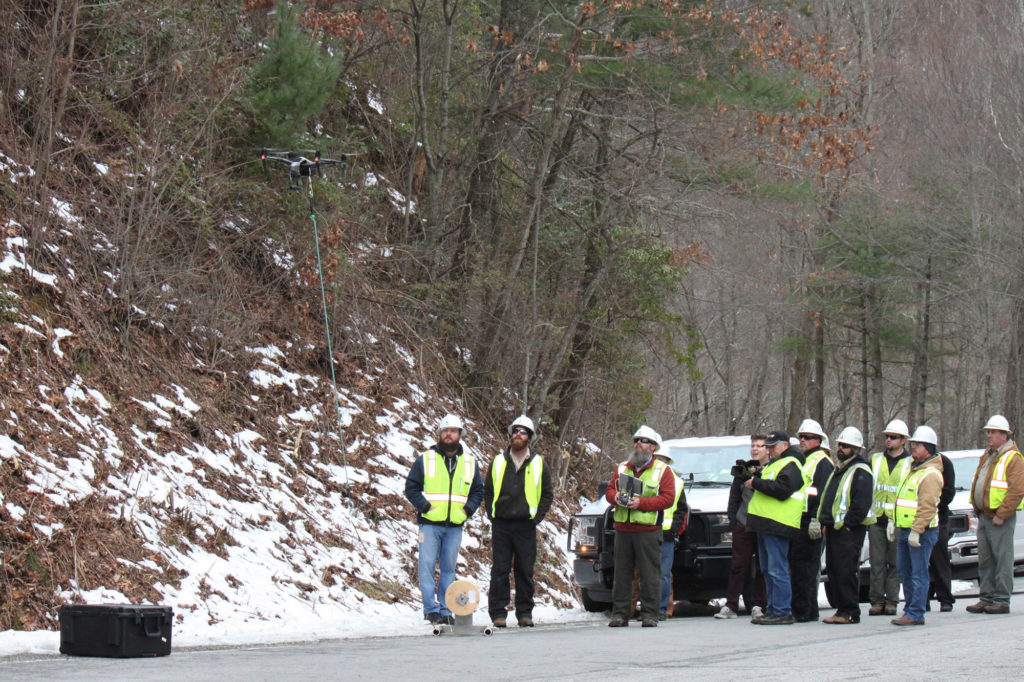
(997,608)
(448,620)
(525,622)
(977,608)
(903,620)
(650,623)
(617,622)
(498,622)
(434,618)
(946,607)
(838,620)
(890,609)
(662,616)
(877,610)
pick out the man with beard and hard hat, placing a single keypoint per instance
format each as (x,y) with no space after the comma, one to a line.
(805,552)
(444,487)
(844,515)
(640,491)
(916,523)
(517,495)
(889,468)
(672,525)
(774,514)
(997,494)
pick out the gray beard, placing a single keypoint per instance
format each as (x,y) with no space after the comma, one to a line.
(638,458)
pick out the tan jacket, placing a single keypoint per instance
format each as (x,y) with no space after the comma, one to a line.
(927,495)
(1014,479)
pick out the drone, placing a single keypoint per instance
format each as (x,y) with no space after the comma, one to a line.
(299,165)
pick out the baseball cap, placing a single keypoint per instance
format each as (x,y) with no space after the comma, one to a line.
(776,436)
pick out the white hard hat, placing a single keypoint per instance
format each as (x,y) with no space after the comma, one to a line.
(925,434)
(662,452)
(825,445)
(851,435)
(998,422)
(649,433)
(525,422)
(897,427)
(450,421)
(812,427)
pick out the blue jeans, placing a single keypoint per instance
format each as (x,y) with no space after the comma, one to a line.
(913,566)
(668,553)
(437,543)
(773,553)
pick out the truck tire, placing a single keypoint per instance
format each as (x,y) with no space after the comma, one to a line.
(593,606)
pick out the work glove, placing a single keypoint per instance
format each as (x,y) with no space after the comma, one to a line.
(814,529)
(915,539)
(890,531)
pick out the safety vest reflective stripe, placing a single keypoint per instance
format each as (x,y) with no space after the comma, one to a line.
(841,503)
(534,471)
(666,524)
(906,499)
(447,495)
(786,512)
(651,478)
(887,483)
(999,485)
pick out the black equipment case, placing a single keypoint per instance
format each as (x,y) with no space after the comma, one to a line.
(115,630)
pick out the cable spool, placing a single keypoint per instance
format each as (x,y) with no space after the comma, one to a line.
(462,598)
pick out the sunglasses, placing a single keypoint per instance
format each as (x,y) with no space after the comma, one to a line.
(520,429)
(645,441)
(804,436)
(889,436)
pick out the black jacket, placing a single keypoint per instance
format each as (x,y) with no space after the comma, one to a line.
(862,495)
(948,489)
(789,480)
(511,504)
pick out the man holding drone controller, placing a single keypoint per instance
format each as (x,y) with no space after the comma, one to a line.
(641,489)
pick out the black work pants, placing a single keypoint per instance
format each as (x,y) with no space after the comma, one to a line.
(842,564)
(805,575)
(513,548)
(940,571)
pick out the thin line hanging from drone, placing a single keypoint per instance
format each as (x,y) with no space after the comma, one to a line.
(300,166)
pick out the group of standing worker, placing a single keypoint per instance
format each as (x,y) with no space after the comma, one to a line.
(787,504)
(796,498)
(445,487)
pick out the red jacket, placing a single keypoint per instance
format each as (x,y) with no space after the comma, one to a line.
(663,500)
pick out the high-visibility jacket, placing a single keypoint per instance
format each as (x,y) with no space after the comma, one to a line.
(999,482)
(841,502)
(666,524)
(651,478)
(532,486)
(907,497)
(811,462)
(887,483)
(787,511)
(447,494)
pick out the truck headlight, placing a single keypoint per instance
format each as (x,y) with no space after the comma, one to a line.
(584,537)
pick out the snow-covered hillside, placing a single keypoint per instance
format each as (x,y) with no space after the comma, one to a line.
(259,529)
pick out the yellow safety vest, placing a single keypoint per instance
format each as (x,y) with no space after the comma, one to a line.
(841,503)
(808,469)
(999,485)
(787,511)
(906,498)
(447,496)
(534,471)
(651,478)
(671,511)
(887,483)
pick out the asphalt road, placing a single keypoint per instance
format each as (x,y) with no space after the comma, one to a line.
(949,645)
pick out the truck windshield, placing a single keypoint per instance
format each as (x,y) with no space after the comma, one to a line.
(708,462)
